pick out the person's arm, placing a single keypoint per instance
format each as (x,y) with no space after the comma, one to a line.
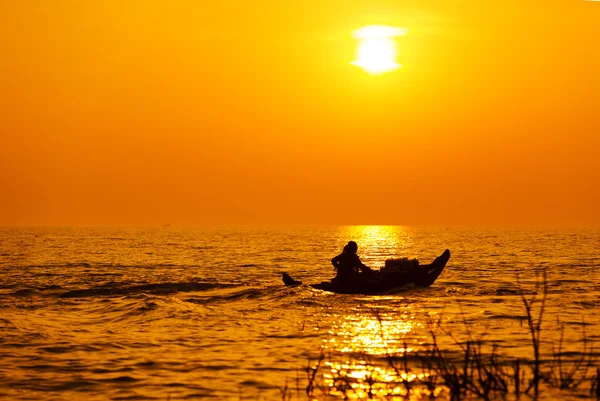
(336,261)
(362,266)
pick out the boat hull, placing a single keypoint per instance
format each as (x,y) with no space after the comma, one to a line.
(384,282)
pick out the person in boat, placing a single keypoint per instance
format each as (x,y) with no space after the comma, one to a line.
(350,269)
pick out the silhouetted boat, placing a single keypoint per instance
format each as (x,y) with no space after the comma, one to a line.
(386,280)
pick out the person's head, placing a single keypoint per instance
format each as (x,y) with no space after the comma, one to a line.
(351,247)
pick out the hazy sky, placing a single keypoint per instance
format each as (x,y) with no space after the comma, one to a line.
(239,112)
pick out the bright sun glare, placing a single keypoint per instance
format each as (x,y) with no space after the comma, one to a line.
(376,52)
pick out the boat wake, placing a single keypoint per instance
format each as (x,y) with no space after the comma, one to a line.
(156,288)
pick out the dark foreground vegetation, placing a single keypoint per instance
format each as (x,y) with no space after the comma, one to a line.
(477,370)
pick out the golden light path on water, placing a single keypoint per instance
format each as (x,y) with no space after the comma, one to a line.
(378,242)
(373,335)
(371,347)
(366,345)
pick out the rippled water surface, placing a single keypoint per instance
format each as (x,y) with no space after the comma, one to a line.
(165,313)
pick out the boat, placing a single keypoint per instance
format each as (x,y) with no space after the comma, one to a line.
(398,274)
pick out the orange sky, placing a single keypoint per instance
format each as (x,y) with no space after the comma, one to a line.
(238,112)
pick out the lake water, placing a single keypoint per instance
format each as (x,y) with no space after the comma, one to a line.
(171,313)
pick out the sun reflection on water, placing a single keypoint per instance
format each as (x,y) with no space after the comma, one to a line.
(372,334)
(377,243)
(364,349)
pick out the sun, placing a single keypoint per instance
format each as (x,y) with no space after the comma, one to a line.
(377,50)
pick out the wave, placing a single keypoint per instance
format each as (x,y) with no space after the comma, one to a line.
(146,307)
(264,294)
(157,289)
(25,292)
(131,309)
